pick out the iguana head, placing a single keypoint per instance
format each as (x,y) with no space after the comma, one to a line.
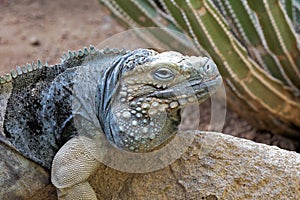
(144,109)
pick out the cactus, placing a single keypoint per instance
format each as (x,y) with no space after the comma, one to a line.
(254,43)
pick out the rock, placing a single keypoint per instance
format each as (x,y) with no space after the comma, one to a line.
(20,178)
(215,166)
(34,41)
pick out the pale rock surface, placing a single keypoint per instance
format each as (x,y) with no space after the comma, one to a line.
(215,166)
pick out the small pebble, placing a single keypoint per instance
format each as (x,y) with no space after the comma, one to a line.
(34,41)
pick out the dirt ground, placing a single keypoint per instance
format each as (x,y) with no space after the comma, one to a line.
(41,29)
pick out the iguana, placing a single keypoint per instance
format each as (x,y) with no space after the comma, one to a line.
(133,98)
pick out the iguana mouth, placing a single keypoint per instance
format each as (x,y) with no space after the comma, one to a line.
(210,85)
(196,87)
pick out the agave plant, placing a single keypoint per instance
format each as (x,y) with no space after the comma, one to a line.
(254,43)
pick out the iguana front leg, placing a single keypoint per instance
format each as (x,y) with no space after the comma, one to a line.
(72,166)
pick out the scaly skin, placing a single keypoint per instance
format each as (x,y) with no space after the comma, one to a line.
(53,114)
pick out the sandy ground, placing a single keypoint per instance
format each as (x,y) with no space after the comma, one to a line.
(41,29)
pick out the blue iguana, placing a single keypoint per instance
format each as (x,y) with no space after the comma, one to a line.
(133,98)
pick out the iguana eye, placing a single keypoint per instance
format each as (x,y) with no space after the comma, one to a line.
(163,74)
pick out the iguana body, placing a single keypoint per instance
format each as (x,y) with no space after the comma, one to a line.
(32,122)
(49,113)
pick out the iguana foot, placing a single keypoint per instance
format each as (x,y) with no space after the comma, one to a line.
(72,166)
(80,191)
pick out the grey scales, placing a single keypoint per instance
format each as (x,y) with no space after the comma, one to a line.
(133,98)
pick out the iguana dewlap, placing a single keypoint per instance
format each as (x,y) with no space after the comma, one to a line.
(132,97)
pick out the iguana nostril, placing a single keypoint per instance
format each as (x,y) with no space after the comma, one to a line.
(207,67)
(210,67)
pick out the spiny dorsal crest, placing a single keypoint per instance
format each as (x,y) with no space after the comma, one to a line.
(81,54)
(67,58)
(14,73)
